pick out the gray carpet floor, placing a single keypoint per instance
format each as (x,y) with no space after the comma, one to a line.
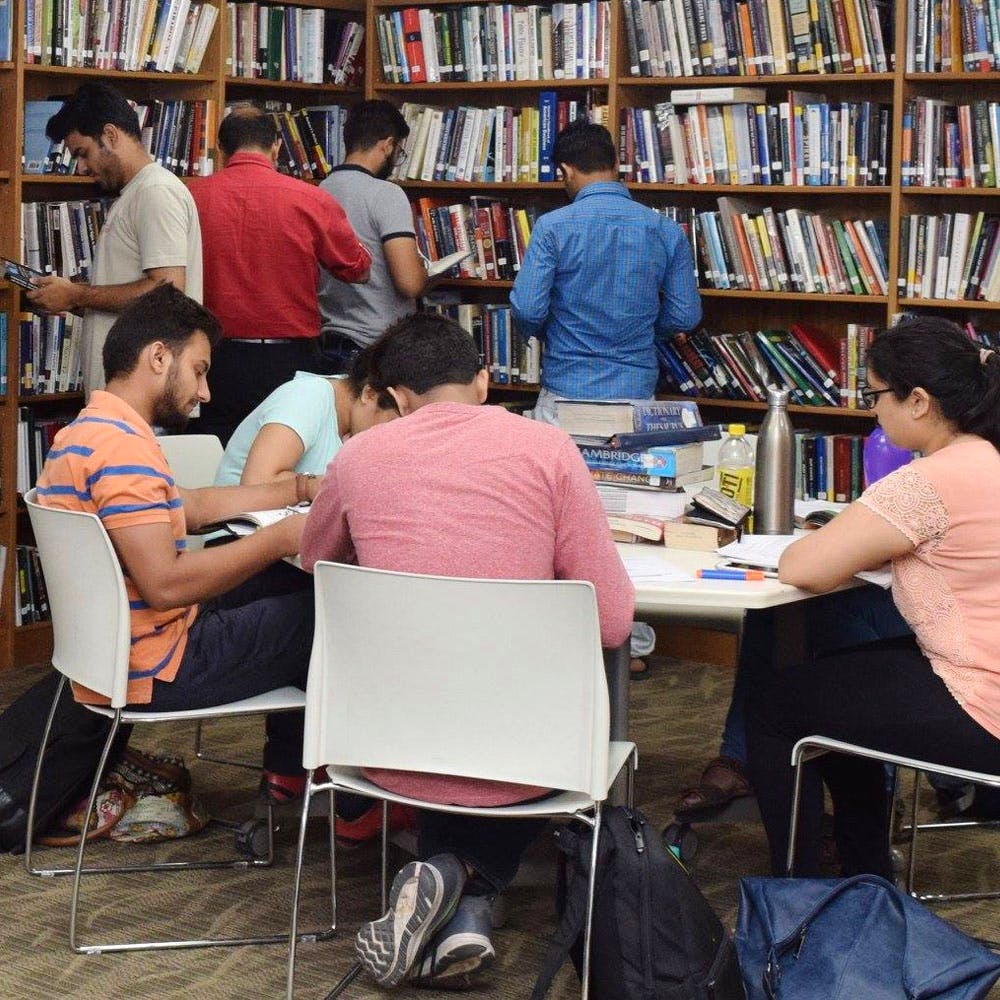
(676,719)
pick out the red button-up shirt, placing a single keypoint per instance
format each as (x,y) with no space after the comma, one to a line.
(263,237)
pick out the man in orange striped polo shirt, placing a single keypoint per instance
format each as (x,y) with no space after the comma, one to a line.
(208,627)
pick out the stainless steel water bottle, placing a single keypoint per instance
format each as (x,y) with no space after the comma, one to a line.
(774,479)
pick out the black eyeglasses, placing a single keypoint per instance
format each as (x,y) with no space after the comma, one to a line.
(868,397)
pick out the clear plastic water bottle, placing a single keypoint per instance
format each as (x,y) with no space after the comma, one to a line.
(774,481)
(736,466)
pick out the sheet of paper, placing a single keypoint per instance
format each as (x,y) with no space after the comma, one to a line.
(758,550)
(650,569)
(803,508)
(882,576)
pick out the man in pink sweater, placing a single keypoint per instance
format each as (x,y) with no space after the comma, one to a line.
(458,489)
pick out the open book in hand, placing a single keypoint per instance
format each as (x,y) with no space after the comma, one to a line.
(445,264)
(247,522)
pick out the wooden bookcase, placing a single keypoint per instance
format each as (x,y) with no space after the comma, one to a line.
(21,81)
(722,309)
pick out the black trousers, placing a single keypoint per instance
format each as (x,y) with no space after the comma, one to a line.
(883,695)
(245,373)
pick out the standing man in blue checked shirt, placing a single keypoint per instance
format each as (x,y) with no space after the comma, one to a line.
(603,278)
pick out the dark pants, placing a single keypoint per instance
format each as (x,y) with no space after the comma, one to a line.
(244,374)
(882,695)
(493,847)
(339,352)
(250,640)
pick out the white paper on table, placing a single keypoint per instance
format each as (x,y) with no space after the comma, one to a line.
(758,550)
(803,508)
(881,576)
(650,569)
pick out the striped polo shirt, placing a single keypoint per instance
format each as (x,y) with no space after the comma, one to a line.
(108,462)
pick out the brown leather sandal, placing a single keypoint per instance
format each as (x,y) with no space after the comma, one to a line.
(723,780)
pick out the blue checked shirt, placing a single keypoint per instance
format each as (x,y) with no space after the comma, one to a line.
(601,280)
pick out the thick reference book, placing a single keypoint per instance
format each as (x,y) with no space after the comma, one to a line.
(674,436)
(657,461)
(644,481)
(605,417)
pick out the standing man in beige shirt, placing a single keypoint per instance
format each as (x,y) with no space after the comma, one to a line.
(151,235)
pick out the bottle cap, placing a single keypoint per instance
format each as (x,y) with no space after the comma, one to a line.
(776,396)
(737,430)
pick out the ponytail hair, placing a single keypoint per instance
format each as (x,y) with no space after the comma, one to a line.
(937,356)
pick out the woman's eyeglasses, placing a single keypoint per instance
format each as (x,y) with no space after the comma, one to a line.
(869,396)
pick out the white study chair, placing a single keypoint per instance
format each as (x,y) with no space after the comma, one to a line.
(91,642)
(811,747)
(494,679)
(194,460)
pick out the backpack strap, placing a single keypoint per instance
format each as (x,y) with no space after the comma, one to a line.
(575,847)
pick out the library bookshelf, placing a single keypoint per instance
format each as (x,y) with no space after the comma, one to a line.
(616,90)
(21,81)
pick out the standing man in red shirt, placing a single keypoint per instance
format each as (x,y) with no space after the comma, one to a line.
(265,236)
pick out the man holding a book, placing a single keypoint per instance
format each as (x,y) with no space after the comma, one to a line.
(602,279)
(528,513)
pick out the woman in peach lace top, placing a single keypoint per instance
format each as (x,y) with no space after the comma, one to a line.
(935,695)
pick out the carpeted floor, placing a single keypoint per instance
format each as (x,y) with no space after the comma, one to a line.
(676,717)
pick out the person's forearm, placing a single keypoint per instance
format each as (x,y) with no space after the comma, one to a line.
(215,503)
(111,298)
(195,577)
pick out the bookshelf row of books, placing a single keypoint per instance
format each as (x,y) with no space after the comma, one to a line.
(6,30)
(496,232)
(500,143)
(950,145)
(3,353)
(757,37)
(169,36)
(31,601)
(49,353)
(799,141)
(950,256)
(744,246)
(301,44)
(495,42)
(58,237)
(35,435)
(312,139)
(510,358)
(829,466)
(937,41)
(740,365)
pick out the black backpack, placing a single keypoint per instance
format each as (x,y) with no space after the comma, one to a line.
(654,935)
(74,750)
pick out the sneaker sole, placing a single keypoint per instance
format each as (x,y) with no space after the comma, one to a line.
(389,947)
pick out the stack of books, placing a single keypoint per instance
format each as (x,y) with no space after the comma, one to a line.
(495,42)
(950,145)
(938,42)
(950,256)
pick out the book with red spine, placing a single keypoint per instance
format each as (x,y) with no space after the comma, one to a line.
(414,45)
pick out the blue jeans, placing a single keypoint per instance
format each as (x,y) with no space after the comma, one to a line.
(833,621)
(338,352)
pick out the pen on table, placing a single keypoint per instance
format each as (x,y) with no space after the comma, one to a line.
(730,574)
(769,574)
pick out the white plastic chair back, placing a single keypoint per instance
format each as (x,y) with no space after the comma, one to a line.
(193,458)
(87,598)
(493,679)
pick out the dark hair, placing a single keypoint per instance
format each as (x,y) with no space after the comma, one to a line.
(369,122)
(358,378)
(93,106)
(936,355)
(247,127)
(421,352)
(166,314)
(585,146)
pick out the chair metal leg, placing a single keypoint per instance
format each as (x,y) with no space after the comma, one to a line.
(385,855)
(911,869)
(630,770)
(591,884)
(293,927)
(36,781)
(202,755)
(793,823)
(332,848)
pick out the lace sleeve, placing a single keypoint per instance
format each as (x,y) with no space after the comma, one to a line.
(909,502)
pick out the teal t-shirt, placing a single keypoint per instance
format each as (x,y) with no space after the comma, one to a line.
(307,405)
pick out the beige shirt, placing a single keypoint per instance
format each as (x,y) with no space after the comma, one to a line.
(153,223)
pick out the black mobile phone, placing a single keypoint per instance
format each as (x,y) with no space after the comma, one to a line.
(20,274)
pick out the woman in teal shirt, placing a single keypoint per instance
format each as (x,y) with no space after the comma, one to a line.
(302,425)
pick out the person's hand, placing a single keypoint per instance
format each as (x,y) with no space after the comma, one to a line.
(53,295)
(289,532)
(307,486)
